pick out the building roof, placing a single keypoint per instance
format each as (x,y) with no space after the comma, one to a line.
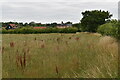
(39,27)
(13,25)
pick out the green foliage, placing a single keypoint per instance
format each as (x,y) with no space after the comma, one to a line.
(92,19)
(110,29)
(77,25)
(30,30)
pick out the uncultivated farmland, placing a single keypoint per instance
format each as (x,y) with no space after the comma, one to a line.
(82,55)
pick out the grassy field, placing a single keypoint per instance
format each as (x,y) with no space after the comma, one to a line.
(82,55)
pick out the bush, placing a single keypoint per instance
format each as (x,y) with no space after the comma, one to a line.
(35,31)
(110,29)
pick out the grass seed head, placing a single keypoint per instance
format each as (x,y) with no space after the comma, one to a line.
(77,38)
(42,46)
(35,38)
(70,38)
(12,44)
(57,72)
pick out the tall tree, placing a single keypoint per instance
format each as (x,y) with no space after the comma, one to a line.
(92,19)
(32,23)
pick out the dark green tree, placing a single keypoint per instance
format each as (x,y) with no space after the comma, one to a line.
(53,24)
(26,24)
(77,25)
(92,19)
(32,24)
(68,22)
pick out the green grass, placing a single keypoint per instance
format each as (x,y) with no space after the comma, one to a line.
(0,57)
(82,55)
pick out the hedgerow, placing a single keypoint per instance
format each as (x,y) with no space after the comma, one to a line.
(35,31)
(110,29)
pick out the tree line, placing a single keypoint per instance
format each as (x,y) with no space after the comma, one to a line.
(33,24)
(92,21)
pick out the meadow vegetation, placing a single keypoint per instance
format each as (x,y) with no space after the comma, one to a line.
(55,55)
(110,29)
(31,30)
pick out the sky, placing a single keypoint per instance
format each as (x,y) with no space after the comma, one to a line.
(48,11)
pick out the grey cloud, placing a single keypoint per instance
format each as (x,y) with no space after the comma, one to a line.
(119,10)
(52,11)
(59,0)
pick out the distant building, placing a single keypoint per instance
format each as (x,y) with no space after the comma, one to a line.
(39,27)
(11,26)
(64,25)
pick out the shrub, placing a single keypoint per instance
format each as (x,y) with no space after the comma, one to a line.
(25,30)
(110,29)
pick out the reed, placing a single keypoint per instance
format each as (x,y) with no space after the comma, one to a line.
(12,44)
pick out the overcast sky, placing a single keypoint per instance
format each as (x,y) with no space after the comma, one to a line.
(48,11)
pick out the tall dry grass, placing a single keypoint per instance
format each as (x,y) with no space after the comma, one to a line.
(82,55)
